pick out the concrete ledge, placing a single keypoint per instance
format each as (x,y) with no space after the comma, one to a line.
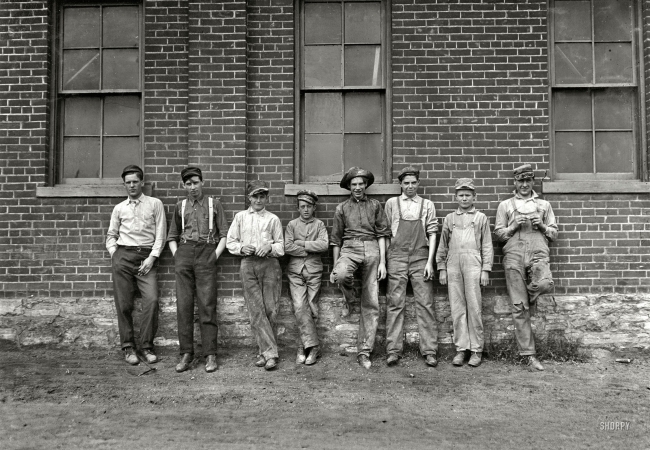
(82,190)
(595,187)
(335,190)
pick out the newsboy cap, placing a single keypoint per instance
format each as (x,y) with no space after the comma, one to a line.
(256,186)
(132,169)
(465,183)
(525,171)
(308,196)
(354,172)
(190,172)
(409,170)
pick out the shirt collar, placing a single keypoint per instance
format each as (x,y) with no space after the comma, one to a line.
(362,199)
(198,200)
(406,198)
(252,211)
(137,200)
(534,196)
(461,212)
(306,221)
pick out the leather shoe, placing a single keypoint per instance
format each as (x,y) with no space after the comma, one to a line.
(364,361)
(345,310)
(475,359)
(261,361)
(392,359)
(431,360)
(271,363)
(150,356)
(211,363)
(459,359)
(300,356)
(186,360)
(314,354)
(130,356)
(534,363)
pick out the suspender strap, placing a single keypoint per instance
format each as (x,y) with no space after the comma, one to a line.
(399,207)
(210,219)
(183,214)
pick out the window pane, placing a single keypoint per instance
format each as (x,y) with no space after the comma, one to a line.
(573,152)
(572,21)
(80,69)
(573,63)
(614,152)
(323,159)
(322,23)
(323,66)
(82,116)
(612,20)
(572,109)
(613,63)
(613,109)
(120,152)
(363,113)
(80,27)
(362,23)
(122,115)
(121,26)
(121,69)
(365,150)
(363,65)
(81,157)
(323,113)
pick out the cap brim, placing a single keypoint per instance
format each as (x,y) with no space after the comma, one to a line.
(258,190)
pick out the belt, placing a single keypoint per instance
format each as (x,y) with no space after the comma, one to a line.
(136,248)
(361,238)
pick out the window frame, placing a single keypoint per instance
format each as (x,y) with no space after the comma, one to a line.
(385,89)
(58,96)
(603,181)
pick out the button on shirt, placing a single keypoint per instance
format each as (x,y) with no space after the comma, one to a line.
(197,221)
(257,229)
(410,210)
(507,210)
(362,218)
(138,223)
(314,234)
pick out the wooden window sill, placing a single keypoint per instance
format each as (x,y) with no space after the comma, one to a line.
(322,189)
(596,187)
(94,190)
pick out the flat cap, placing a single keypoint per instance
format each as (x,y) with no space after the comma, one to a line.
(132,169)
(525,171)
(409,170)
(354,172)
(465,183)
(308,196)
(190,172)
(256,186)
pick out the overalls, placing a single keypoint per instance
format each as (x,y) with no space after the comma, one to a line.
(464,267)
(407,258)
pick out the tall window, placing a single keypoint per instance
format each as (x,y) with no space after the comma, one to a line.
(342,82)
(595,89)
(99,102)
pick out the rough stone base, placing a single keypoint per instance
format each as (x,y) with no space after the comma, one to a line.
(599,321)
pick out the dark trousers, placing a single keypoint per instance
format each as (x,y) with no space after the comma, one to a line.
(126,262)
(196,274)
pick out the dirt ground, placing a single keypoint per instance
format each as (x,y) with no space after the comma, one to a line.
(54,398)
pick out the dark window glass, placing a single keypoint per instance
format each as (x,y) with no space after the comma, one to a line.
(122,115)
(363,112)
(323,66)
(81,27)
(119,152)
(613,109)
(573,64)
(364,150)
(612,20)
(80,70)
(363,23)
(121,27)
(323,113)
(121,69)
(363,65)
(570,23)
(81,157)
(323,157)
(613,63)
(82,116)
(573,152)
(322,23)
(614,151)
(572,109)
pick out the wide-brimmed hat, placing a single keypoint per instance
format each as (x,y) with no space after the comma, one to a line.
(354,172)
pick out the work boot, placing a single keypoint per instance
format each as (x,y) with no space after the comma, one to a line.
(130,356)
(431,360)
(261,361)
(392,359)
(271,363)
(534,363)
(150,356)
(300,355)
(211,363)
(345,310)
(364,361)
(314,354)
(475,359)
(186,360)
(459,359)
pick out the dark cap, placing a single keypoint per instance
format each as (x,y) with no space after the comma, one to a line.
(190,172)
(525,171)
(255,186)
(465,183)
(308,196)
(132,169)
(409,170)
(354,172)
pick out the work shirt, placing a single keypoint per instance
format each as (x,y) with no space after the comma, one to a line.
(138,223)
(197,221)
(410,210)
(482,237)
(504,227)
(314,234)
(256,228)
(363,219)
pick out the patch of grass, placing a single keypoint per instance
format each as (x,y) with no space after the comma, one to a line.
(553,347)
